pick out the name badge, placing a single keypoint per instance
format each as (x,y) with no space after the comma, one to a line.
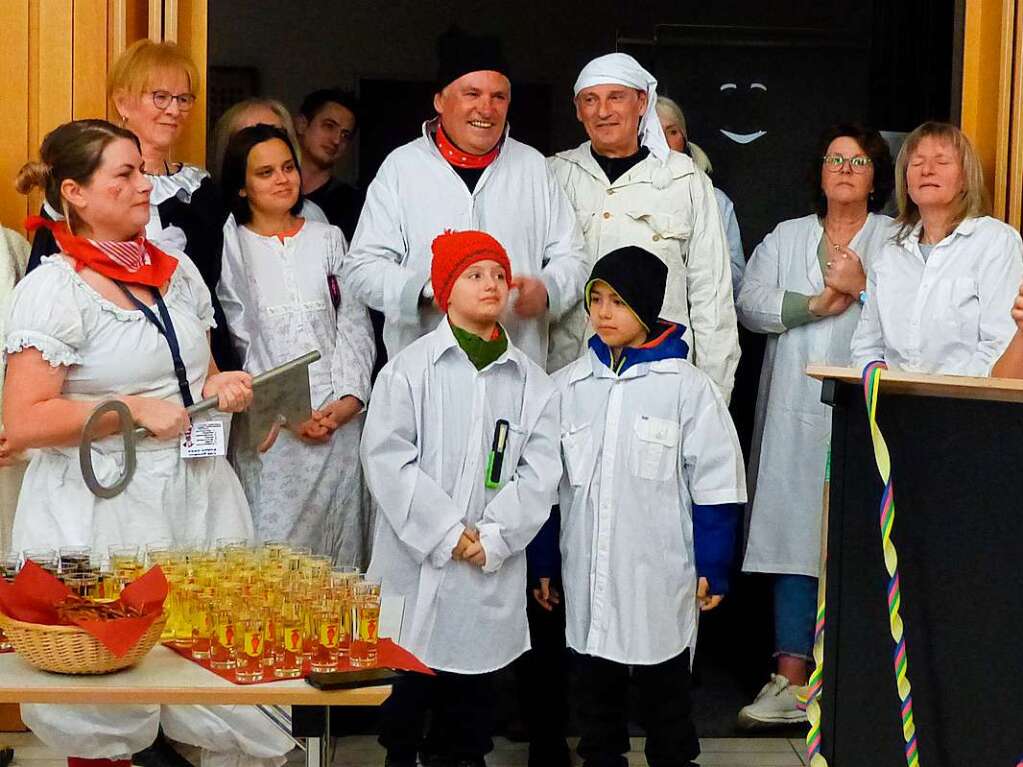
(204,440)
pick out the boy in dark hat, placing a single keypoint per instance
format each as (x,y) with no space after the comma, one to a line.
(649,508)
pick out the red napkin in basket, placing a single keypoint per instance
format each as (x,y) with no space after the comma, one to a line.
(34,595)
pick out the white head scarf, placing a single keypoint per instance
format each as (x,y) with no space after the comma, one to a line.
(622,69)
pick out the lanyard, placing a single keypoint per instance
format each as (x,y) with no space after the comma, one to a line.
(165,329)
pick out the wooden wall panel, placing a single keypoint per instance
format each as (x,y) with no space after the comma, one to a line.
(191,29)
(992,98)
(89,59)
(14,95)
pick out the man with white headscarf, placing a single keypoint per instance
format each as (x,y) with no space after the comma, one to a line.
(629,188)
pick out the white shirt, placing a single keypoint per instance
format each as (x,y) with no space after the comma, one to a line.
(639,450)
(417,195)
(681,225)
(950,314)
(424,451)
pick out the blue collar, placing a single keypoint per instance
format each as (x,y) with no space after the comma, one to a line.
(667,344)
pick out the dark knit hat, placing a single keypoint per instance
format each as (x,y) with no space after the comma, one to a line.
(459,54)
(637,276)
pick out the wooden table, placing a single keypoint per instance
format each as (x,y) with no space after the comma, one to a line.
(164,677)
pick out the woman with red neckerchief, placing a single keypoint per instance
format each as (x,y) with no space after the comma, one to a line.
(112,316)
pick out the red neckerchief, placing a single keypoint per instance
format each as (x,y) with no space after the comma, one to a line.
(137,261)
(461,159)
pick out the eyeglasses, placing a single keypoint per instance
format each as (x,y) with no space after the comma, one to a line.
(857,164)
(162,100)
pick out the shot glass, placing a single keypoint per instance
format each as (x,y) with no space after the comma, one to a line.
(251,647)
(45,558)
(325,638)
(201,619)
(366,620)
(223,641)
(84,585)
(75,559)
(291,639)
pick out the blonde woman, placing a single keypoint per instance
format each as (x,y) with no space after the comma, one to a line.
(674,123)
(245,114)
(152,88)
(939,294)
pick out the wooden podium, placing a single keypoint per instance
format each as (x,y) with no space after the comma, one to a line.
(956,448)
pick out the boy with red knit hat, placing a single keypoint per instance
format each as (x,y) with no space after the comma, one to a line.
(461,452)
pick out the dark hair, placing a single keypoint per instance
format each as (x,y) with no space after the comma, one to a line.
(317,100)
(236,163)
(72,151)
(875,147)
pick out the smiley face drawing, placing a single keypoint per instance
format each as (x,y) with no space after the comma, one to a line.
(743,108)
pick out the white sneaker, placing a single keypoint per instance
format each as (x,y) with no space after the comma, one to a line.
(774,706)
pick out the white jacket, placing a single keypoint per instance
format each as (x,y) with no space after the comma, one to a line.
(792,428)
(425,445)
(950,314)
(681,224)
(417,195)
(639,449)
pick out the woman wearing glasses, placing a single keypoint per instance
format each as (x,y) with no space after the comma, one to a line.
(803,287)
(939,295)
(152,90)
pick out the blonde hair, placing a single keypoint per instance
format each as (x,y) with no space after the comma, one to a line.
(670,109)
(972,201)
(133,69)
(228,123)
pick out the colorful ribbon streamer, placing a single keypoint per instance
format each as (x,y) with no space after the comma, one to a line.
(871,380)
(816,684)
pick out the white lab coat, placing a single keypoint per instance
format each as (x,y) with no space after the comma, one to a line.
(792,428)
(950,315)
(639,451)
(681,225)
(416,196)
(109,351)
(737,259)
(277,302)
(424,449)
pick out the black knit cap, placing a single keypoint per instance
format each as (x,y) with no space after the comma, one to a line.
(459,54)
(637,276)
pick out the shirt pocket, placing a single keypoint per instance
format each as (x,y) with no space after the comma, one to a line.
(654,448)
(964,302)
(514,448)
(576,454)
(666,234)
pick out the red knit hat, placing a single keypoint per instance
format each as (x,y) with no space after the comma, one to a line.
(454,252)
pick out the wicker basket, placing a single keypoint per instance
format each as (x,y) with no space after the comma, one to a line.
(72,650)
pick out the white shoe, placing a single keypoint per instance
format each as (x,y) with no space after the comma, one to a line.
(774,706)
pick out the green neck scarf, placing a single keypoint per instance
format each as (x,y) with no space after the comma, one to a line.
(480,351)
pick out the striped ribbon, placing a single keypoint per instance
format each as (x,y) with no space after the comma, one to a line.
(816,684)
(871,381)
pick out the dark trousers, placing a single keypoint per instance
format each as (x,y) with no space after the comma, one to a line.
(665,708)
(461,708)
(541,676)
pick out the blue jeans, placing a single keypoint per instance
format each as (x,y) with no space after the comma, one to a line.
(795,608)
